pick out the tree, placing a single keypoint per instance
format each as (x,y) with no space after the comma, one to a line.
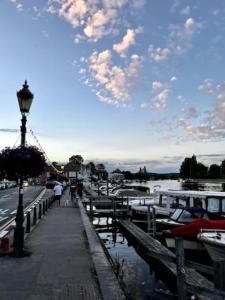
(76,160)
(193,167)
(22,161)
(222,169)
(202,171)
(185,168)
(214,171)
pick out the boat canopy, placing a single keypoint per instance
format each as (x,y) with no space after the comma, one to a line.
(191,230)
(190,194)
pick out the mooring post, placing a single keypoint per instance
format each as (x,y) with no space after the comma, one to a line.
(91,207)
(114,209)
(127,206)
(153,222)
(180,264)
(219,274)
(149,219)
(107,185)
(98,188)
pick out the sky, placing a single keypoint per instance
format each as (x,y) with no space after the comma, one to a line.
(124,82)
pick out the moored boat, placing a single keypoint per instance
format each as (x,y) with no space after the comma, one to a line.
(214,242)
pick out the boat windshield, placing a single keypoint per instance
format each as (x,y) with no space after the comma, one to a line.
(176,214)
(187,217)
(223,205)
(213,205)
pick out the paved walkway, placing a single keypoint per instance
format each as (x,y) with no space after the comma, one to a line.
(60,266)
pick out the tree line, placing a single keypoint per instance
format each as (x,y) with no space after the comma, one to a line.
(192,169)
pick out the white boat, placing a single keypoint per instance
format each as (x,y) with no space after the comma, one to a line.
(214,242)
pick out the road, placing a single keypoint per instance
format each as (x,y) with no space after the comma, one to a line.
(9,201)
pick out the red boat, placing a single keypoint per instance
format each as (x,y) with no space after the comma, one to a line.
(190,231)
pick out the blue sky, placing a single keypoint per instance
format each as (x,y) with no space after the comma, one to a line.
(125,82)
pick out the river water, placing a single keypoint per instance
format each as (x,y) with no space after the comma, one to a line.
(139,278)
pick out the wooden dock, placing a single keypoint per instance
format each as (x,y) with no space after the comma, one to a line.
(152,248)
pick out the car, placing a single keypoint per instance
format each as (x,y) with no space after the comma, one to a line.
(25,183)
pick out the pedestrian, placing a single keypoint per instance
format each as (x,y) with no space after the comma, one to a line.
(73,191)
(80,189)
(58,189)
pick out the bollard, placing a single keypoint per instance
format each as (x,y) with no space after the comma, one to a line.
(39,211)
(46,205)
(180,264)
(219,274)
(43,204)
(28,222)
(35,216)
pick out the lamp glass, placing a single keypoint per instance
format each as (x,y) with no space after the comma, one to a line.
(25,104)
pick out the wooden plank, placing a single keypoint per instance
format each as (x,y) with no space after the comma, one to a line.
(156,250)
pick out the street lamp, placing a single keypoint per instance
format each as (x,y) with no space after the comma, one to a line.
(25,98)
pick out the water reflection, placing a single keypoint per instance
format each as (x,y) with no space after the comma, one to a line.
(139,280)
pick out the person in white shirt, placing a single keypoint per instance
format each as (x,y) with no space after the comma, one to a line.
(58,189)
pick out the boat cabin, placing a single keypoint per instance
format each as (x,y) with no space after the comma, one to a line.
(213,202)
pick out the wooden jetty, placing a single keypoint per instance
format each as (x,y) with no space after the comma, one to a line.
(194,282)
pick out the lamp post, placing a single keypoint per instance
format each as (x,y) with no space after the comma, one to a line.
(25,98)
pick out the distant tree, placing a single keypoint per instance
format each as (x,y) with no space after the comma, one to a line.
(193,167)
(144,170)
(117,171)
(22,161)
(222,169)
(185,168)
(202,171)
(128,175)
(214,171)
(93,168)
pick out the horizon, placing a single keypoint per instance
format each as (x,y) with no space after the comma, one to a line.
(125,82)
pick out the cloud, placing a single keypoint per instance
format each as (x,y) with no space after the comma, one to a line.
(95,18)
(159,54)
(8,130)
(128,40)
(113,84)
(18,5)
(179,41)
(186,10)
(161,92)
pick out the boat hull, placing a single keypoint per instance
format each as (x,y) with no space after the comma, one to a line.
(188,244)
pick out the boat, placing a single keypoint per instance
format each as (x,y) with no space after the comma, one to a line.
(189,233)
(214,242)
(182,216)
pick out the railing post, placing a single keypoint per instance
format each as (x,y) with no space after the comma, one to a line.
(39,211)
(180,264)
(46,204)
(35,216)
(219,274)
(127,206)
(28,222)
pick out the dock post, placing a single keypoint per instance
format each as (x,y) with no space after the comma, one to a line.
(219,274)
(107,185)
(114,209)
(149,219)
(127,206)
(153,222)
(180,263)
(91,207)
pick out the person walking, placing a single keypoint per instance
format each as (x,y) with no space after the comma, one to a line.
(73,192)
(58,189)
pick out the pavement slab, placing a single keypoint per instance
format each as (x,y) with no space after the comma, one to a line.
(60,265)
